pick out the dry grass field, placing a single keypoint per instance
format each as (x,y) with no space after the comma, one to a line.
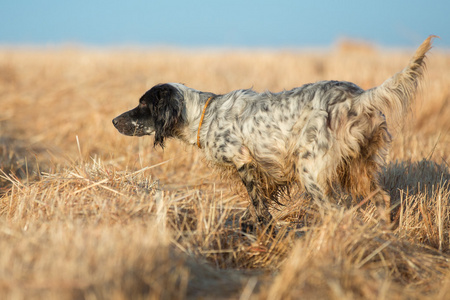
(86,213)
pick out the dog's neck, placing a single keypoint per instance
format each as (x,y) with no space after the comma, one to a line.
(194,103)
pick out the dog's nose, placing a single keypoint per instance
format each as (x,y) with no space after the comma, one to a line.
(115,122)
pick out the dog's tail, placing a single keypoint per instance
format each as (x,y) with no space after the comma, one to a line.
(396,94)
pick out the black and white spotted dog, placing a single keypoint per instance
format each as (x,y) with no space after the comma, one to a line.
(328,136)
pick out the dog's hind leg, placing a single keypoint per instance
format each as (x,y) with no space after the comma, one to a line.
(360,178)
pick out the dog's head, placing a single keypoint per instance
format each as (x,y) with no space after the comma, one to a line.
(159,111)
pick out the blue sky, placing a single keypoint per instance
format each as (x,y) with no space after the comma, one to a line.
(232,23)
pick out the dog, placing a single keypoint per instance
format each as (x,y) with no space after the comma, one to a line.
(328,136)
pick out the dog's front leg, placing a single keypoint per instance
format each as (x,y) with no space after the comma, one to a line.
(258,206)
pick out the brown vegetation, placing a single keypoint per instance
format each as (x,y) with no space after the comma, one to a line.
(86,213)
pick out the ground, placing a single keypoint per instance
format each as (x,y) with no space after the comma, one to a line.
(88,213)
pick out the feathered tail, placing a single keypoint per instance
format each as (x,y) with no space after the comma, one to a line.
(397,93)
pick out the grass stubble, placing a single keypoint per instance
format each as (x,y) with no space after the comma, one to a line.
(86,213)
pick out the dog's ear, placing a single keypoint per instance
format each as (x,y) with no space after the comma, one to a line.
(166,108)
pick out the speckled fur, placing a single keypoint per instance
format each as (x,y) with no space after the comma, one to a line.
(328,136)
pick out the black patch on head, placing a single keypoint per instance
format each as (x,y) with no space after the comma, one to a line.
(165,104)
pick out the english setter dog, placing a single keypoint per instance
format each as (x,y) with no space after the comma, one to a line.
(327,136)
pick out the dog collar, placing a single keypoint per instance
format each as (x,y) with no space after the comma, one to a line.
(201,121)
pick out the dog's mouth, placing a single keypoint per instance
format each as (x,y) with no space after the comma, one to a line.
(131,128)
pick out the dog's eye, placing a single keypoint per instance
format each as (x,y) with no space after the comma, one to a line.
(142,104)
